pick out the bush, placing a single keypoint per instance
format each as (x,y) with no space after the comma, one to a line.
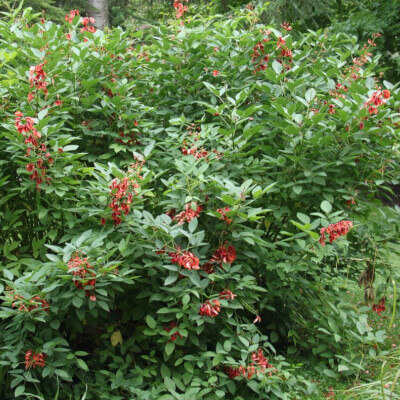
(162,196)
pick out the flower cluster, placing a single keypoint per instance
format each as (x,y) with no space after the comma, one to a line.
(286,26)
(41,156)
(227,295)
(223,212)
(184,259)
(338,92)
(128,139)
(376,99)
(180,8)
(259,57)
(86,21)
(285,57)
(210,309)
(83,273)
(259,364)
(122,192)
(353,71)
(27,306)
(334,231)
(37,80)
(380,307)
(34,360)
(224,255)
(190,212)
(175,335)
(72,14)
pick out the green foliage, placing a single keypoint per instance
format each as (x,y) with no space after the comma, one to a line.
(254,152)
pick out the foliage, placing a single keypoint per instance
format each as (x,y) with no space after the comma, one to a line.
(161,197)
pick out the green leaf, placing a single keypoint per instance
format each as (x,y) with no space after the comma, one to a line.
(151,322)
(310,94)
(326,207)
(8,274)
(169,384)
(277,67)
(370,82)
(170,279)
(169,348)
(63,374)
(82,364)
(19,390)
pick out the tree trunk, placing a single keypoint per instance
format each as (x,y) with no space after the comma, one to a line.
(99,12)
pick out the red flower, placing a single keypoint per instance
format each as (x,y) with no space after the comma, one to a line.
(335,230)
(210,309)
(227,295)
(68,36)
(33,359)
(224,255)
(286,26)
(188,214)
(30,167)
(72,14)
(380,307)
(257,319)
(185,259)
(215,73)
(386,94)
(82,272)
(58,103)
(280,43)
(175,335)
(103,221)
(208,268)
(223,211)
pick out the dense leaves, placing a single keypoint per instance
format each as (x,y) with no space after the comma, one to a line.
(165,196)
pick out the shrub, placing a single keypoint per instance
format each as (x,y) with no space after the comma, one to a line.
(162,194)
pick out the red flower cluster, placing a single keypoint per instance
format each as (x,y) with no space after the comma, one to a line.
(184,259)
(188,214)
(121,196)
(83,272)
(380,307)
(38,167)
(72,14)
(208,268)
(37,79)
(34,360)
(227,295)
(335,230)
(193,151)
(175,335)
(259,364)
(285,53)
(131,138)
(286,26)
(33,303)
(376,100)
(86,21)
(259,57)
(330,394)
(224,255)
(339,88)
(358,62)
(223,212)
(210,309)
(180,8)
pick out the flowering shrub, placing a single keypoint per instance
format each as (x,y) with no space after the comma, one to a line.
(161,197)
